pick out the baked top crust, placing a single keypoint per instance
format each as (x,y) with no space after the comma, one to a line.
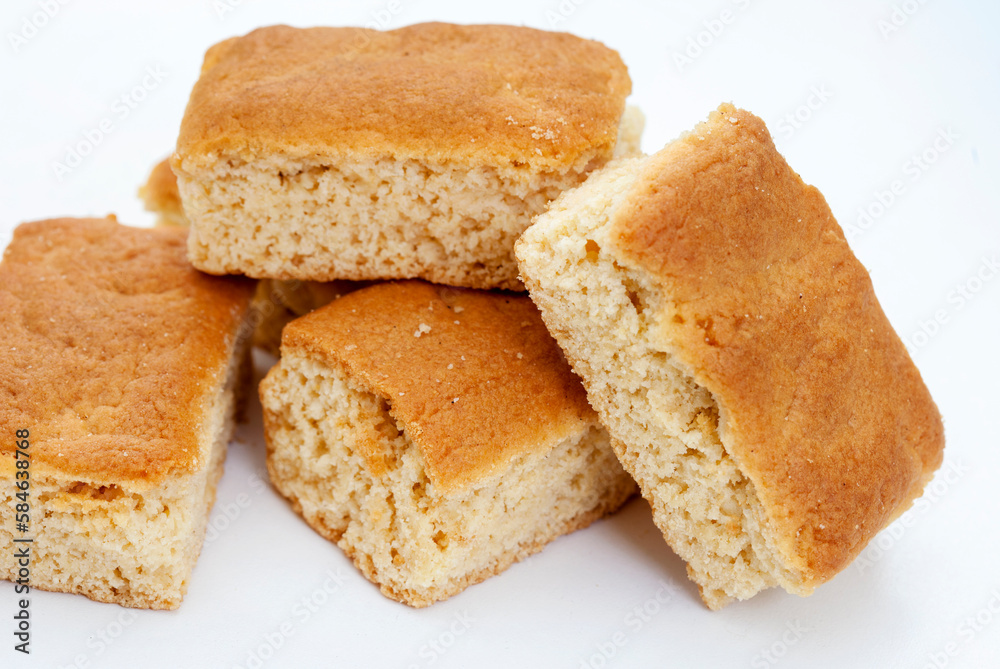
(114,348)
(473,376)
(768,308)
(505,96)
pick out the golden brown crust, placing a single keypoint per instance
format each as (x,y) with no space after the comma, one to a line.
(767,306)
(503,96)
(161,196)
(114,348)
(482,383)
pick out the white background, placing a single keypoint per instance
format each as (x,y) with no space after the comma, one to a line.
(868,99)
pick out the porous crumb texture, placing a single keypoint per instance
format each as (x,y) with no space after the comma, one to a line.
(128,544)
(664,426)
(418,544)
(161,196)
(363,220)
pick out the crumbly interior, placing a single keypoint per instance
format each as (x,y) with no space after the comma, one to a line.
(419,544)
(363,220)
(369,219)
(111,541)
(664,426)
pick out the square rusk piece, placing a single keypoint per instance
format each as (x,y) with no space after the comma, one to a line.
(436,434)
(422,152)
(121,361)
(734,347)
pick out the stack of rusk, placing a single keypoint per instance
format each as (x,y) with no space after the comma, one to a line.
(697,328)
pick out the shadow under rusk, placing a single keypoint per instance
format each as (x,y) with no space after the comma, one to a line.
(635,531)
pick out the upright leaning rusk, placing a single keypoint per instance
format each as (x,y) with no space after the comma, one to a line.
(734,347)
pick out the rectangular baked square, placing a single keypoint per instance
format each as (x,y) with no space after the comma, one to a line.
(122,362)
(437,435)
(421,152)
(734,347)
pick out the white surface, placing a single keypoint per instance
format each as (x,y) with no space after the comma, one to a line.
(886,99)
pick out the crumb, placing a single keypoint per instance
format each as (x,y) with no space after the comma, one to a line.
(422,329)
(541,133)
